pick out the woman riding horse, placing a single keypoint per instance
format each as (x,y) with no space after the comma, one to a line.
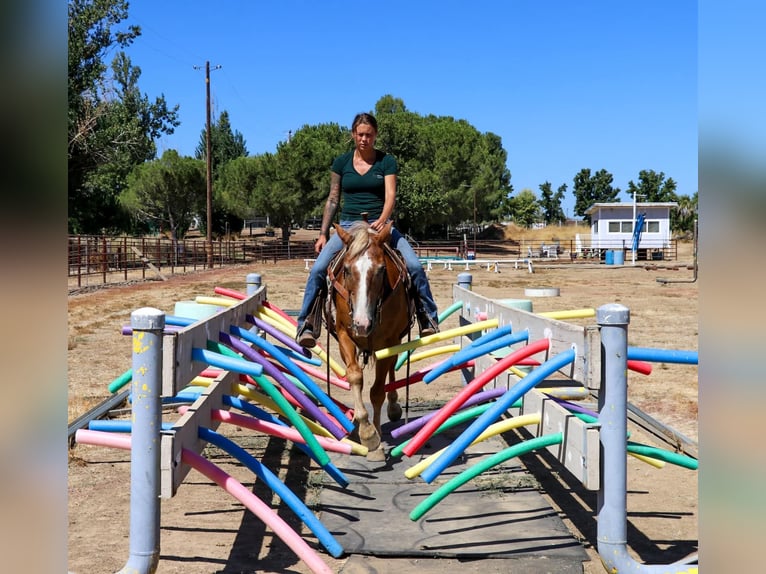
(366,178)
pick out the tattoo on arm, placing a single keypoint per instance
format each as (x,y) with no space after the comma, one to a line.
(332,204)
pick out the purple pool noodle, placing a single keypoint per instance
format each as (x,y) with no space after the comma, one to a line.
(278,335)
(289,386)
(574,407)
(475,399)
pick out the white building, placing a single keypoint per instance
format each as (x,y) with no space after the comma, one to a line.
(612,226)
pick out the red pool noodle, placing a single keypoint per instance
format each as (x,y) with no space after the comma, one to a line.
(463,395)
(640,367)
(417,376)
(230,293)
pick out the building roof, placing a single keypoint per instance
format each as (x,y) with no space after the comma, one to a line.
(596,206)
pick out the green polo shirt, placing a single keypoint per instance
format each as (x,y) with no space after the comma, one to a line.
(366,192)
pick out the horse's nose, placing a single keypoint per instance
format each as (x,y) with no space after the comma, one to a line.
(362,324)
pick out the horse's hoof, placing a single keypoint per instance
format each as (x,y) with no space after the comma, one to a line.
(369,437)
(394,412)
(377,455)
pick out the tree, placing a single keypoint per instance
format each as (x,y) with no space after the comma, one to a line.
(593,189)
(682,218)
(550,203)
(111,125)
(525,209)
(225,145)
(653,187)
(168,192)
(444,166)
(289,185)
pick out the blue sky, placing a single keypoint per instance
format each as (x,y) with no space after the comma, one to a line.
(597,84)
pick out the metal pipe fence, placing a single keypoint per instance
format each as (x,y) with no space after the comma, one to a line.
(97,259)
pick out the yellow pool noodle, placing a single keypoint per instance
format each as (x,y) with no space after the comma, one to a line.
(572,314)
(289,330)
(436,337)
(218,301)
(492,430)
(266,312)
(656,463)
(434,351)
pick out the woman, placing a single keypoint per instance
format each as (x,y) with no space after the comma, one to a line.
(366,177)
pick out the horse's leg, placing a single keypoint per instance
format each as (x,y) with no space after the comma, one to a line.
(377,396)
(368,435)
(394,408)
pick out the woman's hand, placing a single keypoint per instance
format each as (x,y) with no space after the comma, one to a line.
(378,224)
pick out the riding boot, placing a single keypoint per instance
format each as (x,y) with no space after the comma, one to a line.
(426,324)
(312,327)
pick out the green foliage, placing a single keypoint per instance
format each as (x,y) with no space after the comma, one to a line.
(225,146)
(652,187)
(168,192)
(683,217)
(289,185)
(593,189)
(550,203)
(525,209)
(448,170)
(111,125)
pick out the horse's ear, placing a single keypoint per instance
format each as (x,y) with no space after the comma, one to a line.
(342,233)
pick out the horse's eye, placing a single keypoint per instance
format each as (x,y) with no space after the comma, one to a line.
(380,269)
(347,269)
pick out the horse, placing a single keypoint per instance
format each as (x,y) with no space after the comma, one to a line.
(370,293)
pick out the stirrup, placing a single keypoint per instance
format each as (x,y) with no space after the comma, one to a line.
(427,325)
(306,337)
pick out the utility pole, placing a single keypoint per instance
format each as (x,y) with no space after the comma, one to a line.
(208,170)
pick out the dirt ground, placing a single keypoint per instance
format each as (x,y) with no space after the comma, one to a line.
(204,530)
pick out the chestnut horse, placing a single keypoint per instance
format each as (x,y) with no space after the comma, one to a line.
(369,287)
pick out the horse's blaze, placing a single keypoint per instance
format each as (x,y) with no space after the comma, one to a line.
(362,318)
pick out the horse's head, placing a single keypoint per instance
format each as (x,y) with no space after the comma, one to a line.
(364,275)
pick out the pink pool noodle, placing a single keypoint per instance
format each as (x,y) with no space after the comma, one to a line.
(280,431)
(463,395)
(230,485)
(316,373)
(259,508)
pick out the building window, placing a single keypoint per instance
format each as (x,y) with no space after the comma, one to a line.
(626,226)
(652,226)
(614,227)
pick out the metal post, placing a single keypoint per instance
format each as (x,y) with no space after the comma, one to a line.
(253,281)
(613,320)
(465,280)
(146,388)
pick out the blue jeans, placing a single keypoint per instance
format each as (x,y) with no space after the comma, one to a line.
(318,275)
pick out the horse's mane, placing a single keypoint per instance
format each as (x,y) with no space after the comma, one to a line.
(360,233)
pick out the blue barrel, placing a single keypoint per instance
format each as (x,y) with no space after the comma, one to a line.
(609,257)
(619,257)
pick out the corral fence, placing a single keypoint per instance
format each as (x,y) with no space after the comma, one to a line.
(97,259)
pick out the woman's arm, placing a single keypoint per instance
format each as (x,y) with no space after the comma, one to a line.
(389,203)
(330,207)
